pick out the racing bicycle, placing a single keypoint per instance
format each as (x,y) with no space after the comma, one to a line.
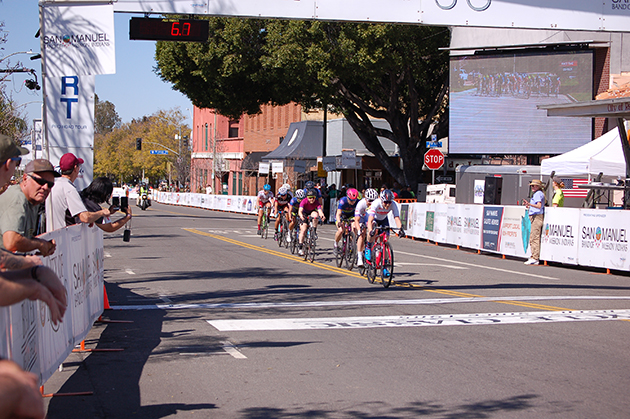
(264,223)
(283,230)
(310,239)
(381,262)
(347,249)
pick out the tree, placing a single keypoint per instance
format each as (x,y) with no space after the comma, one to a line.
(12,122)
(115,153)
(105,117)
(391,72)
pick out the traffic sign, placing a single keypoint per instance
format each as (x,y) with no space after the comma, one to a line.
(159,151)
(434,159)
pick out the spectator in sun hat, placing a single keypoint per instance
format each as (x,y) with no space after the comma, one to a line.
(536,211)
(65,202)
(20,209)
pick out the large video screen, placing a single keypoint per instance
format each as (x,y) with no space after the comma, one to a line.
(493,102)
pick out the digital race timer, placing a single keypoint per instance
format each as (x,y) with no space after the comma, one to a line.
(145,28)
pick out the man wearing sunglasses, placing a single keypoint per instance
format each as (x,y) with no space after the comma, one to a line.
(20,209)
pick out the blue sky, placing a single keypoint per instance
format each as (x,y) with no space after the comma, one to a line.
(135,90)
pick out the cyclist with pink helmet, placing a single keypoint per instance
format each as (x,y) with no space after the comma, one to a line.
(345,211)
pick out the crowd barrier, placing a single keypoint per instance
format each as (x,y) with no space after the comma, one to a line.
(27,336)
(587,237)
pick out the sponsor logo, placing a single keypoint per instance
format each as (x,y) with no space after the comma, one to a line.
(611,239)
(558,234)
(89,40)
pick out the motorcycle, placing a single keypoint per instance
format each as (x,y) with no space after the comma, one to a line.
(143,202)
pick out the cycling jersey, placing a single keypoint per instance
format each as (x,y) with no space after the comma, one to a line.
(283,201)
(347,209)
(264,197)
(309,207)
(361,210)
(380,212)
(295,205)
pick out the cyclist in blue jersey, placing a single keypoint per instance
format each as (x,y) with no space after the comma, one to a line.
(345,211)
(281,203)
(294,206)
(361,218)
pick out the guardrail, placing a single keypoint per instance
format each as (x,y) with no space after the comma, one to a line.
(27,336)
(587,237)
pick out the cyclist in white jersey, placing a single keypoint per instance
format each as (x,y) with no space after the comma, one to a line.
(361,217)
(265,201)
(377,216)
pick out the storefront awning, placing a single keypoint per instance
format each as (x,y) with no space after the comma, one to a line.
(304,141)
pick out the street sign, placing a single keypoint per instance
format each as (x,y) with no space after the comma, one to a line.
(434,159)
(445,179)
(158,152)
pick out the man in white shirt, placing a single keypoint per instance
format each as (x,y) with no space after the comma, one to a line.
(64,202)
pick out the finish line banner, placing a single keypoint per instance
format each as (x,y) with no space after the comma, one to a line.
(27,336)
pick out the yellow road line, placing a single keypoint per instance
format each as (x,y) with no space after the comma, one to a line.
(356,275)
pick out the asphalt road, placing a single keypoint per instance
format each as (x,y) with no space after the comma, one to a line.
(227,325)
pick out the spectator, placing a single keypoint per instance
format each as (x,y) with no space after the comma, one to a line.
(406,193)
(558,195)
(98,192)
(65,203)
(20,209)
(536,209)
(208,189)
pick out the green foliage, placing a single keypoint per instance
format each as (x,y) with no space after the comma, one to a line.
(115,153)
(365,71)
(105,116)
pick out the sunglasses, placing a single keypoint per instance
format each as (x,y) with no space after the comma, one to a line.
(387,202)
(310,197)
(41,182)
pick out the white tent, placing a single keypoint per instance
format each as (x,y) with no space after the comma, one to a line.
(603,154)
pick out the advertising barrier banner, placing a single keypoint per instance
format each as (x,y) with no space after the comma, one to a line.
(559,240)
(27,336)
(515,232)
(603,239)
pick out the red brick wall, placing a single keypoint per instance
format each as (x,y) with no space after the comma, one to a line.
(601,83)
(263,132)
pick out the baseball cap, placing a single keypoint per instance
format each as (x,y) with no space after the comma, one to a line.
(69,161)
(9,149)
(39,166)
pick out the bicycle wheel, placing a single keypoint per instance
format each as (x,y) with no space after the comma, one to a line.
(340,251)
(285,232)
(312,244)
(265,230)
(387,263)
(293,240)
(361,268)
(281,231)
(307,243)
(263,224)
(370,268)
(351,251)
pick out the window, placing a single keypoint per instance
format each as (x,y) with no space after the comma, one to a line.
(206,137)
(233,129)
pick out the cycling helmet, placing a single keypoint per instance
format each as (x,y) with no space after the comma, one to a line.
(371,194)
(309,185)
(387,196)
(267,187)
(282,191)
(352,194)
(311,192)
(300,194)
(286,186)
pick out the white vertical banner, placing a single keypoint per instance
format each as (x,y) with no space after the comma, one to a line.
(78,39)
(514,232)
(70,122)
(559,239)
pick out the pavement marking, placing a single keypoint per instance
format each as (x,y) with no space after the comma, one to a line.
(472,319)
(477,265)
(385,302)
(107,254)
(130,272)
(428,264)
(356,275)
(232,350)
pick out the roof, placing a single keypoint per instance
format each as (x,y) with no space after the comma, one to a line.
(607,108)
(250,162)
(304,141)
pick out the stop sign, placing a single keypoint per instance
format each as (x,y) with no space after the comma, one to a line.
(434,159)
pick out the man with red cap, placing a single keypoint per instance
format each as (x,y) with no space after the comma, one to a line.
(65,203)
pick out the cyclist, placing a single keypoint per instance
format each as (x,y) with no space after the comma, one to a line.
(265,198)
(281,203)
(311,208)
(377,216)
(361,218)
(345,212)
(294,206)
(311,185)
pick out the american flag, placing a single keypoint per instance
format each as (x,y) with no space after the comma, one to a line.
(571,189)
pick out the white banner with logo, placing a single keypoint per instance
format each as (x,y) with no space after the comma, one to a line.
(559,240)
(27,336)
(514,232)
(603,239)
(78,39)
(463,226)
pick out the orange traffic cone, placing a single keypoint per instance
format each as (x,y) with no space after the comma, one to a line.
(105,299)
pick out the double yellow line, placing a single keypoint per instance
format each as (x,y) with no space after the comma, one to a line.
(356,275)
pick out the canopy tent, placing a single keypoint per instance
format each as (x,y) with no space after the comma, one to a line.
(304,141)
(603,154)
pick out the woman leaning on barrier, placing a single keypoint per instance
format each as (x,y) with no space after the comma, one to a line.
(98,192)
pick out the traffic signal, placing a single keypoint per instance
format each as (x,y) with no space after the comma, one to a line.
(185,141)
(138,143)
